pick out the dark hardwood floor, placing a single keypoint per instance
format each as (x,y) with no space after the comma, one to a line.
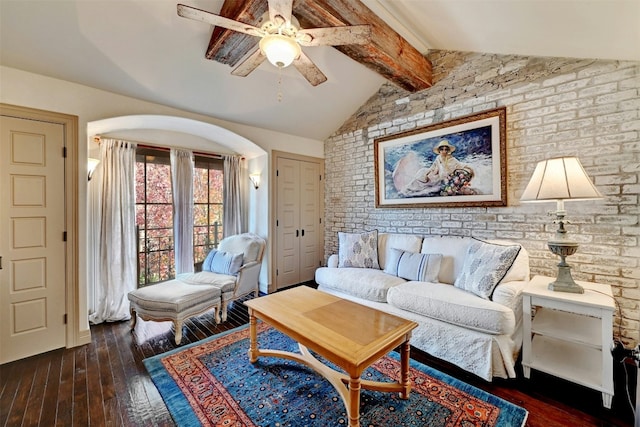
(106,384)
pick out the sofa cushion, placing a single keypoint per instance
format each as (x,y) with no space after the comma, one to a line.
(509,294)
(223,262)
(453,305)
(359,250)
(224,282)
(413,266)
(485,266)
(172,296)
(389,241)
(366,283)
(453,250)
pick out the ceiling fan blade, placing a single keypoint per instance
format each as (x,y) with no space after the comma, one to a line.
(309,70)
(217,20)
(335,36)
(280,8)
(249,64)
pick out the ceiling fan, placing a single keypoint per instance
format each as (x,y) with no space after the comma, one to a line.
(281,38)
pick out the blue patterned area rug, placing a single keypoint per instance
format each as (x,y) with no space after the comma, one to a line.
(212,383)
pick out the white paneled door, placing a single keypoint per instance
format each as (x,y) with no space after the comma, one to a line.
(32,246)
(298,220)
(288,223)
(310,247)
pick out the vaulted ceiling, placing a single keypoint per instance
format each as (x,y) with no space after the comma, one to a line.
(143,49)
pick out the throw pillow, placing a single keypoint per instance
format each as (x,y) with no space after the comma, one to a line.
(222,262)
(413,266)
(519,271)
(484,267)
(358,250)
(206,264)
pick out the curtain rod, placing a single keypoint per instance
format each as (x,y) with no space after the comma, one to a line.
(98,138)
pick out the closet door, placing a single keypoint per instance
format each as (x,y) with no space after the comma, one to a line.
(309,220)
(298,246)
(288,223)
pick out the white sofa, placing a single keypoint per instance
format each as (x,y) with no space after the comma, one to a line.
(482,335)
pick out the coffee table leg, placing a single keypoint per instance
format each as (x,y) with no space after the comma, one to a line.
(354,402)
(405,380)
(253,338)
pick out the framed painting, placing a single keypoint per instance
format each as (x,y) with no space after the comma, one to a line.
(457,163)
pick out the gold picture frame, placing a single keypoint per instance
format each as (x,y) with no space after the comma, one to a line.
(455,163)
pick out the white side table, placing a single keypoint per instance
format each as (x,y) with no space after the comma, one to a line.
(570,335)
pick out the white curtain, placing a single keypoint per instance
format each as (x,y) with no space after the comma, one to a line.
(93,226)
(232,197)
(116,267)
(182,187)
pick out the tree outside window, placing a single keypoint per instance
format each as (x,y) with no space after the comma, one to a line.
(154,212)
(207,206)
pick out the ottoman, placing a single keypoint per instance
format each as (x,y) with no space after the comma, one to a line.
(173,300)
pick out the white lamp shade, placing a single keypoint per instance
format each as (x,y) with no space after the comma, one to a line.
(562,178)
(280,50)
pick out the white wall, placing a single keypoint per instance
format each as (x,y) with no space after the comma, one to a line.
(41,92)
(258,219)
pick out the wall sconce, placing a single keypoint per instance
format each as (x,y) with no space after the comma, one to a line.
(92,164)
(255,180)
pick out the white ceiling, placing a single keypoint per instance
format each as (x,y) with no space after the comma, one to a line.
(141,48)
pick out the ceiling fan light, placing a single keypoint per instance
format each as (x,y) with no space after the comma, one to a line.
(280,50)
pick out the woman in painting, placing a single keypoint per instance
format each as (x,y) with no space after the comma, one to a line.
(447,176)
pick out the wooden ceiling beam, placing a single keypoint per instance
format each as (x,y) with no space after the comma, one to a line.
(388,54)
(228,47)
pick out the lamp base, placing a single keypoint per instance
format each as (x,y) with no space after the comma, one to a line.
(564,282)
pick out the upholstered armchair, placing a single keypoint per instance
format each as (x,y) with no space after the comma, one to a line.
(228,273)
(234,268)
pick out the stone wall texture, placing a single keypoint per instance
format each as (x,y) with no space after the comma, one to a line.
(555,107)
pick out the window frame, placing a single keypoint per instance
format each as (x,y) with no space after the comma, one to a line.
(161,155)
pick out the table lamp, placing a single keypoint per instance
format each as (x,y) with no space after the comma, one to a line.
(561,179)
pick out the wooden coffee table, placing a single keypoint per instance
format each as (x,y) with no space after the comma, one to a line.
(350,335)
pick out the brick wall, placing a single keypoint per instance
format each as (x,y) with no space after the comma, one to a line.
(555,107)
